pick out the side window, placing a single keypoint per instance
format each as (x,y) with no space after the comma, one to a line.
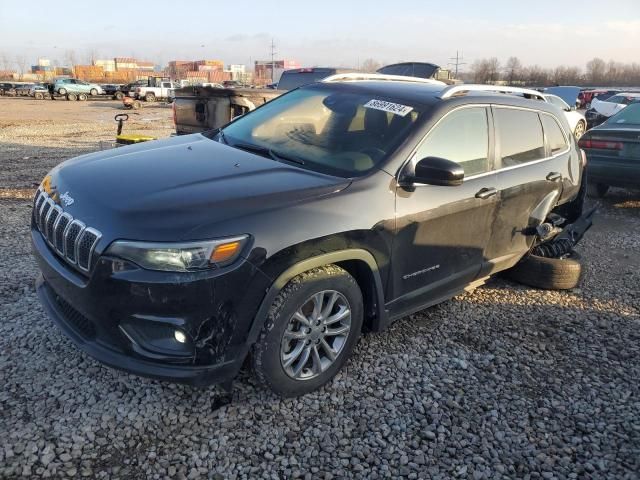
(520,136)
(558,102)
(556,139)
(462,137)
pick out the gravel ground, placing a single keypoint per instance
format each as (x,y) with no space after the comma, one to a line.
(505,382)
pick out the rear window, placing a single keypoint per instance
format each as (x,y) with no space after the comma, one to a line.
(420,70)
(555,137)
(294,79)
(627,116)
(521,138)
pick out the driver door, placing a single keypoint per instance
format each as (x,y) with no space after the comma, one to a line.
(442,231)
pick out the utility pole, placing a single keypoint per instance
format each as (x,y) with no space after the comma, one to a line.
(273,62)
(458,62)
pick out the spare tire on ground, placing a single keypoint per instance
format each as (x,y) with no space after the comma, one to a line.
(548,273)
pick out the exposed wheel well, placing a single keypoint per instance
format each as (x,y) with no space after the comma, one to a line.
(363,275)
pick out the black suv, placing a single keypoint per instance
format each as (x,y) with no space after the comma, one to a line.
(337,207)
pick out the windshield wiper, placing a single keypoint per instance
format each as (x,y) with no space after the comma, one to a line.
(268,152)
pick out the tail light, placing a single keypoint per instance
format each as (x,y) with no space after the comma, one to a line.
(599,144)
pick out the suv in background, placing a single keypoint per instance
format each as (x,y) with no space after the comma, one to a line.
(298,77)
(7,89)
(337,207)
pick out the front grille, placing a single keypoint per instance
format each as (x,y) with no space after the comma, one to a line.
(70,239)
(82,324)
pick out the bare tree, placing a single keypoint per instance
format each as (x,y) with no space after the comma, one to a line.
(70,58)
(535,75)
(596,70)
(512,70)
(21,62)
(369,65)
(486,70)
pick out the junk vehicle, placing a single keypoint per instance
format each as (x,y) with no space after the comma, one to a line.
(161,91)
(336,208)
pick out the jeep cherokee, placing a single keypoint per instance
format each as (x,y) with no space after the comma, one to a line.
(337,207)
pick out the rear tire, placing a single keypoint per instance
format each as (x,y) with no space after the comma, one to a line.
(118,95)
(93,92)
(72,97)
(82,97)
(299,349)
(149,97)
(547,273)
(597,190)
(38,95)
(62,91)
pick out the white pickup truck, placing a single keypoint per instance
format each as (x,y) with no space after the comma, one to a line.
(150,94)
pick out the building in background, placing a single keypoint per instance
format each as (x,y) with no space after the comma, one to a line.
(108,65)
(125,63)
(266,71)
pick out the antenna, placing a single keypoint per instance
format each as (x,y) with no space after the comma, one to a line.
(458,62)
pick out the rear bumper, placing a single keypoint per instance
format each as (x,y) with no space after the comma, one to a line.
(614,171)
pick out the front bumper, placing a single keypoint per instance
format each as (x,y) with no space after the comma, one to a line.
(126,317)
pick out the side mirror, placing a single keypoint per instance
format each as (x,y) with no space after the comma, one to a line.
(436,171)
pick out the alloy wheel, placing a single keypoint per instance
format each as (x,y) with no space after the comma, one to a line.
(579,131)
(315,335)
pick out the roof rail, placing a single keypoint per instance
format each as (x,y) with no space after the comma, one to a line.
(363,77)
(461,89)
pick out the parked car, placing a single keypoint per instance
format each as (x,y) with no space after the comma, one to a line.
(38,91)
(335,207)
(586,96)
(110,89)
(297,77)
(601,110)
(22,89)
(576,120)
(163,91)
(8,89)
(63,86)
(613,151)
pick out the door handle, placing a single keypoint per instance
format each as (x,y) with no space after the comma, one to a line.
(554,177)
(486,193)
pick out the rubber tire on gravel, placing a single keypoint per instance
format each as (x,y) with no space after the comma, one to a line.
(597,190)
(118,96)
(72,97)
(38,95)
(266,352)
(150,97)
(547,273)
(82,97)
(93,92)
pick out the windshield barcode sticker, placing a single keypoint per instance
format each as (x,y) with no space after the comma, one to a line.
(394,108)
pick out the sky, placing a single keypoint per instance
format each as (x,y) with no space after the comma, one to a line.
(326,33)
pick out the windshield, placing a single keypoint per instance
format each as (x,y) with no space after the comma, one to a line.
(329,130)
(622,99)
(627,116)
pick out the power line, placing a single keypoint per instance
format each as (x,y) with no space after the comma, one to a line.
(458,62)
(273,62)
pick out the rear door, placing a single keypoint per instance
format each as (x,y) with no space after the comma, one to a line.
(532,164)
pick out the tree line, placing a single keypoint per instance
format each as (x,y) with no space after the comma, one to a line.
(597,72)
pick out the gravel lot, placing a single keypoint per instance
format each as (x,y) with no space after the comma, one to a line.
(506,382)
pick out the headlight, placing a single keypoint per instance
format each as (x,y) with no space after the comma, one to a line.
(180,257)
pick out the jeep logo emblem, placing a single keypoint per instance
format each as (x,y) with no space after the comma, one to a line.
(66,199)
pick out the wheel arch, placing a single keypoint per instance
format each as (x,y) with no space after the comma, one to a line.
(359,263)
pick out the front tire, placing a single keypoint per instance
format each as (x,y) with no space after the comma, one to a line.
(72,97)
(93,92)
(118,96)
(311,329)
(62,91)
(149,97)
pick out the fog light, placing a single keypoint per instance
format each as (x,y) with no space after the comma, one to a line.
(179,336)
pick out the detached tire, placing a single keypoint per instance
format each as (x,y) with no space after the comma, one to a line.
(310,331)
(597,190)
(547,273)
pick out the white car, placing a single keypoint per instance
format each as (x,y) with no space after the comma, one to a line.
(576,120)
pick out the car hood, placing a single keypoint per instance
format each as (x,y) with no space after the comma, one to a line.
(162,190)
